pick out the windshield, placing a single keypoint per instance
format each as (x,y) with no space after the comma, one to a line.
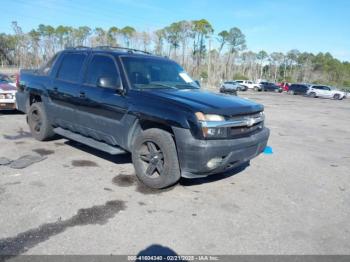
(4,78)
(144,72)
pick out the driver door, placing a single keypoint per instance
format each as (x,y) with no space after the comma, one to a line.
(104,107)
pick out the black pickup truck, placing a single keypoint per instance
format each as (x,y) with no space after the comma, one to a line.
(122,100)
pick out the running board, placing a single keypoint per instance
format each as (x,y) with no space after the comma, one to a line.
(113,150)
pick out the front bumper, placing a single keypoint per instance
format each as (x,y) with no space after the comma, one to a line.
(194,154)
(4,105)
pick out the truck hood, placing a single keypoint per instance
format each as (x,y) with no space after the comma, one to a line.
(7,88)
(209,102)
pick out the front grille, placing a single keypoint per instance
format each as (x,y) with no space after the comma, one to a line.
(238,117)
(237,132)
(245,131)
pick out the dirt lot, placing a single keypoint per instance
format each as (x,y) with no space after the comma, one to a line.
(80,201)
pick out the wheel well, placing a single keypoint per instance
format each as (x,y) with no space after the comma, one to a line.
(34,98)
(146,124)
(141,125)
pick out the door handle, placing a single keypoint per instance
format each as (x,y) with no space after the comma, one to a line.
(82,94)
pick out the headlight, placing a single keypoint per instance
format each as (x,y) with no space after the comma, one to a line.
(209,131)
(209,117)
(6,96)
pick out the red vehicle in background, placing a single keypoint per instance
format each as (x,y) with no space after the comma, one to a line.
(285,86)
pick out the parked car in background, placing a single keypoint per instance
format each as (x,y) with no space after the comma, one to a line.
(5,79)
(298,89)
(284,85)
(7,96)
(248,84)
(267,86)
(325,92)
(230,87)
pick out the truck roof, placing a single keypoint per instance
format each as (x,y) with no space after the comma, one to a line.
(112,50)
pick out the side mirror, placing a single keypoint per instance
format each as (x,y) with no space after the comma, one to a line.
(197,82)
(110,82)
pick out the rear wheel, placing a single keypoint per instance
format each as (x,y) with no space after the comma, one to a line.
(312,94)
(38,122)
(155,159)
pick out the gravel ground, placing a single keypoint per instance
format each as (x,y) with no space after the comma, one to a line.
(80,201)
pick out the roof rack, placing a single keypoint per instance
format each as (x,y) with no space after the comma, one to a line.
(129,50)
(78,47)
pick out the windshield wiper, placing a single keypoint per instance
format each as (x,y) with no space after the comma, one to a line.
(184,86)
(149,86)
(163,85)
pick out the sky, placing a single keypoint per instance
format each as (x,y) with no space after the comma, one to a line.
(270,25)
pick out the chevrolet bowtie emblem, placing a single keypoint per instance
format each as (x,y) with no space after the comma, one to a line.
(250,122)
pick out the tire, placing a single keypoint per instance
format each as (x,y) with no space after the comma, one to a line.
(155,159)
(38,122)
(256,89)
(336,97)
(313,95)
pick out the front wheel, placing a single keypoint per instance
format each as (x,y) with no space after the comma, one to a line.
(336,97)
(38,122)
(155,159)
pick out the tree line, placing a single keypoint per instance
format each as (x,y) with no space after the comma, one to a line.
(209,56)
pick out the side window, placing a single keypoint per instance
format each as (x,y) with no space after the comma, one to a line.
(70,67)
(45,69)
(102,66)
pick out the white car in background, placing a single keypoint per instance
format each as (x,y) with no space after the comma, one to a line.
(7,96)
(6,79)
(325,92)
(249,84)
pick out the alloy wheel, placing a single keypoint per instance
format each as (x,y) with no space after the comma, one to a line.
(153,159)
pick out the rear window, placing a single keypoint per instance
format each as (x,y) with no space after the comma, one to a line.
(46,68)
(70,67)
